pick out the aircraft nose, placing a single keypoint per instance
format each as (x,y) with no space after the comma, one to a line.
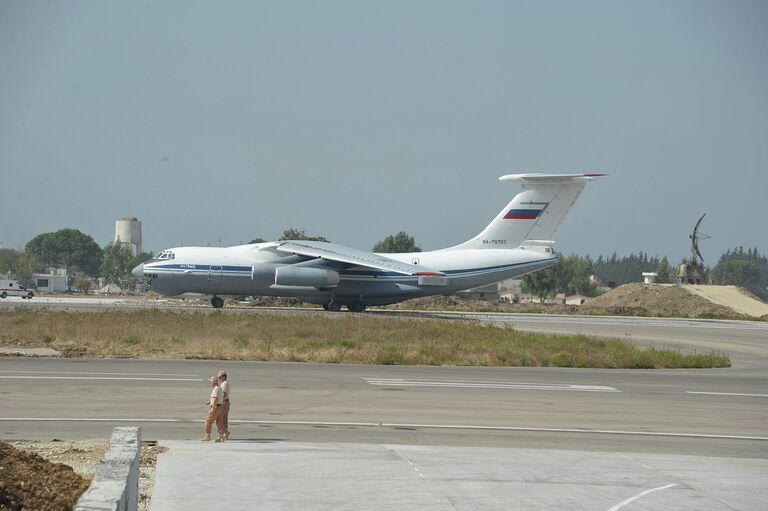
(138,272)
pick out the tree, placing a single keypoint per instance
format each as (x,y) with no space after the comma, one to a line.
(257,240)
(26,265)
(738,273)
(295,234)
(747,269)
(570,275)
(8,260)
(542,283)
(66,248)
(397,244)
(116,264)
(581,270)
(663,273)
(83,284)
(625,269)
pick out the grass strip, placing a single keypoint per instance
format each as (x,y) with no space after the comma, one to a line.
(341,338)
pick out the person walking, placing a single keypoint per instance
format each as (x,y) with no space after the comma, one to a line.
(224,386)
(214,412)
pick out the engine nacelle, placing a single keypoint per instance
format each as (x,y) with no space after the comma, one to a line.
(289,275)
(263,272)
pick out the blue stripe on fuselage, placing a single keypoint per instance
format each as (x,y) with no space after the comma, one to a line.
(203,267)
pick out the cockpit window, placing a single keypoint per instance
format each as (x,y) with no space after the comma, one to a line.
(165,254)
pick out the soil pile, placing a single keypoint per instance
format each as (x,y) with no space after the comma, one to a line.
(661,300)
(655,300)
(28,481)
(738,299)
(84,456)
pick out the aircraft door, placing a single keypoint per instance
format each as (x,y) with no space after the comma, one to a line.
(215,277)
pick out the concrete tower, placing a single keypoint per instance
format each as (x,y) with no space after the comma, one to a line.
(128,231)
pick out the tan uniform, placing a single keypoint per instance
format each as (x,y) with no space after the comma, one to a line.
(214,414)
(225,408)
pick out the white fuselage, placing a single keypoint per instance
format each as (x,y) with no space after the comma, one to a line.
(235,270)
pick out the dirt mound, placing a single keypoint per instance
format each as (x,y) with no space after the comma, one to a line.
(738,299)
(655,300)
(28,481)
(662,300)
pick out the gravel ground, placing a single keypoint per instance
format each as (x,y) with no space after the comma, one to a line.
(84,456)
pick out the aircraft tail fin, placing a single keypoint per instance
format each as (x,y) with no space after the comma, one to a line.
(534,213)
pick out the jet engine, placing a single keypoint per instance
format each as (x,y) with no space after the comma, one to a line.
(305,277)
(263,272)
(289,275)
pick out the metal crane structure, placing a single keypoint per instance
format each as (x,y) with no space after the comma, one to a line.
(692,272)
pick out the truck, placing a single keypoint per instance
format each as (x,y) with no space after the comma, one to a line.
(13,288)
(690,273)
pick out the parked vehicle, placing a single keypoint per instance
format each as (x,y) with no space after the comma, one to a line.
(13,288)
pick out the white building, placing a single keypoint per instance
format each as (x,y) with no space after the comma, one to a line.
(54,281)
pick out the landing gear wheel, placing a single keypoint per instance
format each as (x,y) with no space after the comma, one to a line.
(356,307)
(333,306)
(3,295)
(217,302)
(325,307)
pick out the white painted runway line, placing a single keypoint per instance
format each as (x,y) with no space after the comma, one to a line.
(397,425)
(634,461)
(400,382)
(103,374)
(640,495)
(135,378)
(726,394)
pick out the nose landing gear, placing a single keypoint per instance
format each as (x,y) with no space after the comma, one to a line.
(217,302)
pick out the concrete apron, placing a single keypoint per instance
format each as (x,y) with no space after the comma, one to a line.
(241,475)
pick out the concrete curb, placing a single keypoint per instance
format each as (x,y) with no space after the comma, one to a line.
(115,487)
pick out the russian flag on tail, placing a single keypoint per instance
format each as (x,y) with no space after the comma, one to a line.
(523,214)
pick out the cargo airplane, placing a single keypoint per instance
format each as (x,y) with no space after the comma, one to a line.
(518,241)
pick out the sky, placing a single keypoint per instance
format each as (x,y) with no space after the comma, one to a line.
(218,122)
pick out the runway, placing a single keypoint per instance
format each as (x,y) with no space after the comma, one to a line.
(688,411)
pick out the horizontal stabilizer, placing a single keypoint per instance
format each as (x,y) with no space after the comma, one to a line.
(550,178)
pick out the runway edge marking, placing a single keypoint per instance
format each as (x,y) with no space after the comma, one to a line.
(399,425)
(467,384)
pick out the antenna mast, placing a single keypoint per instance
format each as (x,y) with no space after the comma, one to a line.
(695,237)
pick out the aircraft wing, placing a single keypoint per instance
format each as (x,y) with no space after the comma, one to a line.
(346,255)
